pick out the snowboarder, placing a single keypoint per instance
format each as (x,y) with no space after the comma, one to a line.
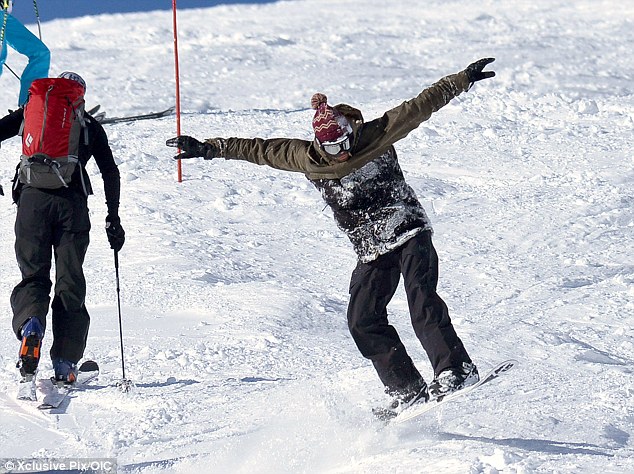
(56,221)
(354,165)
(16,35)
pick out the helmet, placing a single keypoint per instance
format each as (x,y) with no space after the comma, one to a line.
(73,76)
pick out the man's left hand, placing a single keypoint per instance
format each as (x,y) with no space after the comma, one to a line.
(475,70)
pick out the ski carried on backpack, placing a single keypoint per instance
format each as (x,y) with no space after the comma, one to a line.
(134,118)
(94,110)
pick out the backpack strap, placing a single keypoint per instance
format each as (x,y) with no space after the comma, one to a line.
(81,178)
(84,126)
(54,165)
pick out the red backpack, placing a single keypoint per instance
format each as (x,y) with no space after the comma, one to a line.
(53,120)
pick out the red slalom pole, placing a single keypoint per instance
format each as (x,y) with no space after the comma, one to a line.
(178,88)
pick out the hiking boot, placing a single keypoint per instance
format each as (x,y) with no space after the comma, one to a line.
(451,380)
(65,372)
(29,357)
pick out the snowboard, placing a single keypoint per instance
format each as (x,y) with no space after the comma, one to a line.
(56,394)
(420,409)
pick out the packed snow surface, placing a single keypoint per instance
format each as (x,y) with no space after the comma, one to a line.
(234,283)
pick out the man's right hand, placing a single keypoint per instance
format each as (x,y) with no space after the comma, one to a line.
(114,232)
(192,148)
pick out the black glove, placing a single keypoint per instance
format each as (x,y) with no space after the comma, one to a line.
(192,148)
(115,233)
(475,73)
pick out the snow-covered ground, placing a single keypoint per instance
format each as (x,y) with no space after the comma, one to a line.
(234,282)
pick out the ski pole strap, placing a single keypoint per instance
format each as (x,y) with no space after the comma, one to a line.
(5,16)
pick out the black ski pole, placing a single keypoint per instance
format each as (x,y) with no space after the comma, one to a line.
(125,385)
(37,17)
(12,72)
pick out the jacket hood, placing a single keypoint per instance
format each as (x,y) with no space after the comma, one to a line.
(353,115)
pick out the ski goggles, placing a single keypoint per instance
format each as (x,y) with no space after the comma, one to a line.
(337,147)
(340,145)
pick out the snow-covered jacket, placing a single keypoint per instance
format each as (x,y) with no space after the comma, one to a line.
(368,194)
(375,207)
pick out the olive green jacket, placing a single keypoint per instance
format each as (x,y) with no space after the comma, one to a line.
(370,140)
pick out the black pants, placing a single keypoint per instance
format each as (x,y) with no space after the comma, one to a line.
(371,289)
(53,223)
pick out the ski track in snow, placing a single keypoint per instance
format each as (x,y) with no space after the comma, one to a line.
(234,282)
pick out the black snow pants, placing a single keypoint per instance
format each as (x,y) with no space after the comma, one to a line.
(373,285)
(53,224)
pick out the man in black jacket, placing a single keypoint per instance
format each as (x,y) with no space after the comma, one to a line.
(56,221)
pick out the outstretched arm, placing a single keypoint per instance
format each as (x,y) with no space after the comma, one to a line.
(280,153)
(399,121)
